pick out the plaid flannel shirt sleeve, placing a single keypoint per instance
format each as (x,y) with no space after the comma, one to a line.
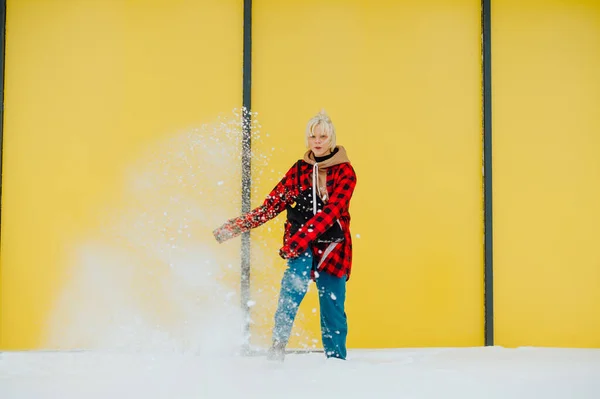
(272,206)
(319,223)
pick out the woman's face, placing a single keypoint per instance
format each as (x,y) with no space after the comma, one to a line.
(319,143)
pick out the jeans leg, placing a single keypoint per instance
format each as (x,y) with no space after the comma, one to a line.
(294,285)
(334,324)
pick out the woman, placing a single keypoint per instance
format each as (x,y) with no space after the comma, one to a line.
(317,242)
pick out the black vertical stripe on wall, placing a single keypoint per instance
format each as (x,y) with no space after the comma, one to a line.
(2,43)
(246,164)
(487,170)
(2,57)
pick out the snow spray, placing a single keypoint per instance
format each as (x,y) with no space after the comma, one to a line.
(152,277)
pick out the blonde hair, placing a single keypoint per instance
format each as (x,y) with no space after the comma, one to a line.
(323,120)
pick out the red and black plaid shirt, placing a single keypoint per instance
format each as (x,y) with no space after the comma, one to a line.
(341,180)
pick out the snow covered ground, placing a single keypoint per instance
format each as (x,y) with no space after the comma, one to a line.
(401,373)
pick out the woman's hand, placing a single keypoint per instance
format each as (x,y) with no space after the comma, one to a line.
(287,253)
(227,231)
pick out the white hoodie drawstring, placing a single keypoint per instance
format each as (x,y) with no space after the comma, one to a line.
(315,179)
(314,186)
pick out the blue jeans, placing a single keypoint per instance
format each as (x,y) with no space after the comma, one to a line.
(332,296)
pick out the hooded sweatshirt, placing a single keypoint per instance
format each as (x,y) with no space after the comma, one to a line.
(321,164)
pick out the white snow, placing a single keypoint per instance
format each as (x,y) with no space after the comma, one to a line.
(463,373)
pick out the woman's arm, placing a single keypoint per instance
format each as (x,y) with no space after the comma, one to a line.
(322,221)
(273,205)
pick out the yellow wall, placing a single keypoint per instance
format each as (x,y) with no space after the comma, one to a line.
(91,86)
(546,85)
(401,81)
(99,94)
